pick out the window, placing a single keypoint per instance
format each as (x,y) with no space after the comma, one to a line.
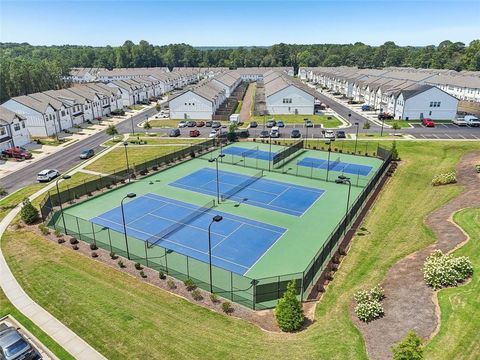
(2,131)
(50,116)
(16,127)
(23,124)
(438,104)
(63,112)
(430,113)
(431,103)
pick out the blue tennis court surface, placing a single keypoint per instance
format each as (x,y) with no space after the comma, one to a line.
(335,165)
(250,153)
(269,194)
(237,243)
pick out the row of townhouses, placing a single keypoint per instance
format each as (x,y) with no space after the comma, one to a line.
(404,93)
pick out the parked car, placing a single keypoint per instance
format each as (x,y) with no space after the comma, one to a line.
(270,123)
(280,124)
(308,123)
(208,123)
(216,124)
(212,134)
(200,123)
(145,102)
(87,154)
(253,124)
(174,133)
(194,133)
(366,107)
(471,120)
(459,121)
(428,122)
(17,152)
(161,116)
(264,134)
(191,123)
(182,124)
(385,116)
(340,134)
(296,133)
(47,175)
(13,346)
(275,132)
(329,134)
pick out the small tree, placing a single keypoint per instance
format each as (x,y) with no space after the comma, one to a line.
(29,213)
(394,151)
(112,131)
(147,125)
(366,125)
(232,136)
(158,107)
(289,312)
(410,348)
(396,126)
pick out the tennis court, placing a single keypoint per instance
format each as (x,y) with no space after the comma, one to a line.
(252,190)
(336,165)
(253,153)
(237,242)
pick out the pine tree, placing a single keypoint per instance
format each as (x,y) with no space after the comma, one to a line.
(29,213)
(394,151)
(289,312)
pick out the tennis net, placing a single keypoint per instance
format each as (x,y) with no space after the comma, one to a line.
(332,164)
(250,152)
(236,189)
(180,223)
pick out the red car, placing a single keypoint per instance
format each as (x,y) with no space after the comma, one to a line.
(200,123)
(428,122)
(17,152)
(194,133)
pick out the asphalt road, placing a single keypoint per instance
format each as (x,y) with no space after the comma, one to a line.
(68,157)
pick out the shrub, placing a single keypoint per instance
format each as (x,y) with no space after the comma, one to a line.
(410,348)
(138,266)
(445,178)
(58,233)
(3,192)
(142,274)
(227,307)
(60,240)
(289,312)
(366,125)
(442,270)
(189,284)
(93,246)
(73,241)
(94,254)
(120,263)
(113,256)
(395,156)
(197,295)
(45,230)
(214,298)
(171,284)
(368,305)
(29,213)
(75,247)
(161,275)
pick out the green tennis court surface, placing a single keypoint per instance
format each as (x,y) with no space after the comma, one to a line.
(318,207)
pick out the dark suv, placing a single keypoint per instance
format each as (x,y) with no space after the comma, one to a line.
(14,346)
(296,133)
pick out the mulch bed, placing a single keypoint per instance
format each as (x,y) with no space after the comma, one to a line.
(409,303)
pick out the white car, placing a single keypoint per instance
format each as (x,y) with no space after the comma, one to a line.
(471,120)
(459,122)
(212,134)
(329,134)
(182,124)
(275,132)
(47,175)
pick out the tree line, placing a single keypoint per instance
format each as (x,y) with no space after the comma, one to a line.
(25,68)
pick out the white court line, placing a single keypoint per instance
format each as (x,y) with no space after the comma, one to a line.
(226,237)
(266,251)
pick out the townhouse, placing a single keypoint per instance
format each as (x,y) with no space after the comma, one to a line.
(13,129)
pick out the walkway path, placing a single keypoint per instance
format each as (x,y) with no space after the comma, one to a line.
(410,303)
(247,103)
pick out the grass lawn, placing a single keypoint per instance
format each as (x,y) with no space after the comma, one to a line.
(115,159)
(239,107)
(6,308)
(298,119)
(152,140)
(51,141)
(459,335)
(12,200)
(402,123)
(126,311)
(136,107)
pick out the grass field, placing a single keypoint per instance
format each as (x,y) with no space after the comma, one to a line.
(126,312)
(298,119)
(459,336)
(12,200)
(403,124)
(239,107)
(115,159)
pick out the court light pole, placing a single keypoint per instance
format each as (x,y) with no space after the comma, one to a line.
(270,152)
(383,120)
(216,218)
(356,138)
(128,196)
(329,143)
(215,159)
(345,180)
(64,177)
(133,127)
(125,144)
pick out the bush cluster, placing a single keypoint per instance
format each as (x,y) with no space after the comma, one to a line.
(410,348)
(368,305)
(29,213)
(289,312)
(442,270)
(445,178)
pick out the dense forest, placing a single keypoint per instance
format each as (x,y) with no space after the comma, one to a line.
(25,68)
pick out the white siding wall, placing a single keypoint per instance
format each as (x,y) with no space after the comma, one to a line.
(197,108)
(36,123)
(21,136)
(302,102)
(420,104)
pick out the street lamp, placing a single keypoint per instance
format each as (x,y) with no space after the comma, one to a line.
(125,144)
(342,180)
(216,218)
(215,159)
(383,120)
(306,129)
(128,196)
(133,127)
(356,138)
(270,151)
(64,177)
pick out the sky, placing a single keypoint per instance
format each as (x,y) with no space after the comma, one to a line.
(239,23)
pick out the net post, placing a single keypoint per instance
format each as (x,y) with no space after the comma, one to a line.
(110,240)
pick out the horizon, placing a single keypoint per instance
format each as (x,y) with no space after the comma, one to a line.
(234,24)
